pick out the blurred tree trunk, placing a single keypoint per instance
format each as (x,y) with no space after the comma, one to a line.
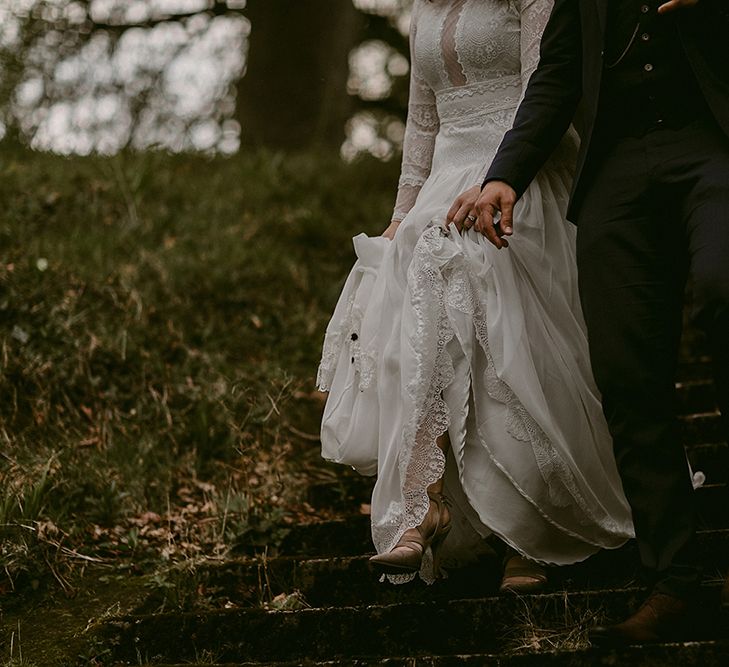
(294,93)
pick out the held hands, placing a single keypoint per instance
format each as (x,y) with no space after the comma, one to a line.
(478,209)
(673,5)
(463,212)
(495,209)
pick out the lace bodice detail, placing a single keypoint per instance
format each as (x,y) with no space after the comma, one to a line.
(461,44)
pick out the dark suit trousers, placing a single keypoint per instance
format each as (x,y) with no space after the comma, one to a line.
(656,210)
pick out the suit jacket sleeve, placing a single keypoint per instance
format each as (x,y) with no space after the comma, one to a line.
(549,103)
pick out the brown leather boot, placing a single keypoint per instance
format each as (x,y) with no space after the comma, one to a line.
(657,620)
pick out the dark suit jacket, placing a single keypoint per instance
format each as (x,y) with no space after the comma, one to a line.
(570,72)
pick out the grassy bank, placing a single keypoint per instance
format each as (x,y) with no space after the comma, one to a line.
(160,321)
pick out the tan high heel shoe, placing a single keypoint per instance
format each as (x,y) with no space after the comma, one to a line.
(407,555)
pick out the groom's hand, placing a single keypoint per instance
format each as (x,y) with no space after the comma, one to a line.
(673,5)
(496,197)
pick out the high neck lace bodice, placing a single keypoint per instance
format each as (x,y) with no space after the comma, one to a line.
(461,49)
(461,42)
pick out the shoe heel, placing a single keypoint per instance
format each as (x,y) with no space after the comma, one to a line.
(435,548)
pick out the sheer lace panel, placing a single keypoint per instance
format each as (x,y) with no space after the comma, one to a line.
(534,17)
(454,69)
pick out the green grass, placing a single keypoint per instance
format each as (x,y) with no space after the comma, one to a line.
(160,324)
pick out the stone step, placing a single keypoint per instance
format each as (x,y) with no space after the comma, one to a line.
(351,536)
(694,367)
(693,341)
(348,580)
(351,491)
(695,396)
(702,427)
(713,506)
(712,459)
(688,654)
(324,539)
(478,626)
(345,493)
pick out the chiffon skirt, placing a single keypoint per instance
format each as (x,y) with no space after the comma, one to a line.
(439,331)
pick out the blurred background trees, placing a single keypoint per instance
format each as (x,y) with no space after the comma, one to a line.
(294,89)
(83,76)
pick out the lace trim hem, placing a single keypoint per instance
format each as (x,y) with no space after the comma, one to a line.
(421,461)
(435,287)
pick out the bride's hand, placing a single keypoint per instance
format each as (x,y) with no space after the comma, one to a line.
(389,233)
(463,212)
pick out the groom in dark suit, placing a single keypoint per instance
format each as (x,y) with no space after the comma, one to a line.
(651,201)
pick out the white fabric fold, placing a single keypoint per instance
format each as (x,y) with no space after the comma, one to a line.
(437,331)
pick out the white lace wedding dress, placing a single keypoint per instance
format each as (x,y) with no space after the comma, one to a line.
(439,331)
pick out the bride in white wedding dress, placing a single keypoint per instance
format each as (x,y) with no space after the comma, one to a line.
(458,371)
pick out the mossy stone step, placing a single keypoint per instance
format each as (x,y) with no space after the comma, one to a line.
(688,654)
(324,539)
(348,581)
(351,536)
(344,493)
(488,625)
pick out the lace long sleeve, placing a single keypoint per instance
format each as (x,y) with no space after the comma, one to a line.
(420,132)
(534,17)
